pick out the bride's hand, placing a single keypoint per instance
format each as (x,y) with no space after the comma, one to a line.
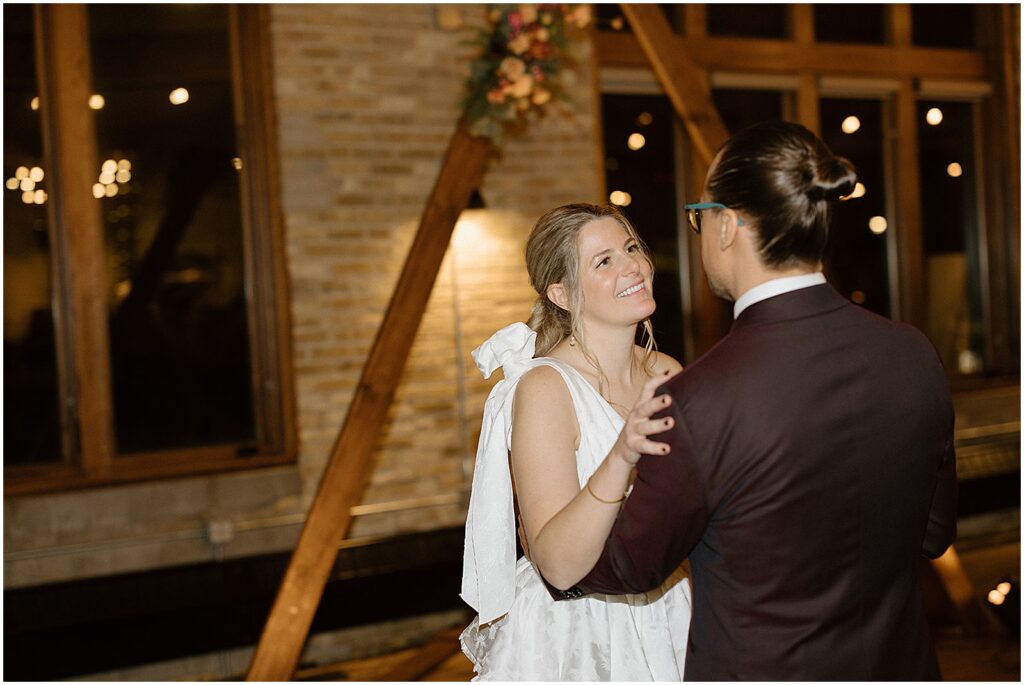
(632,441)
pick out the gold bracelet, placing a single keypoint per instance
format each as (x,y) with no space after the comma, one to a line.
(606,501)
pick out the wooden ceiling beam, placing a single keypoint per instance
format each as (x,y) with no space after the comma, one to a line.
(685,83)
(351,460)
(785,56)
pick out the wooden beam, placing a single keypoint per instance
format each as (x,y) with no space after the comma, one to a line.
(695,20)
(786,57)
(348,470)
(427,658)
(807,95)
(682,80)
(908,226)
(80,279)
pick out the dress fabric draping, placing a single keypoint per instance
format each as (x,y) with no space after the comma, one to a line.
(520,632)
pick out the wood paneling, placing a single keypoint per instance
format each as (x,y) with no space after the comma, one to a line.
(350,463)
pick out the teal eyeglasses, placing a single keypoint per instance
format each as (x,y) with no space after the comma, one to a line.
(693,212)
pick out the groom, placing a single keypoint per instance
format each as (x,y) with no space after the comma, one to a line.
(811,461)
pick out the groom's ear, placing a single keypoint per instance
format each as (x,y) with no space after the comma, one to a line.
(559,295)
(728,224)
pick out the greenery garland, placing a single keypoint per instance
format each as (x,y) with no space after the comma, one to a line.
(524,50)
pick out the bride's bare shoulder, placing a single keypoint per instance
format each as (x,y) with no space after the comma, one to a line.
(543,383)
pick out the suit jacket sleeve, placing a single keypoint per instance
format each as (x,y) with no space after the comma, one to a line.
(941,529)
(661,522)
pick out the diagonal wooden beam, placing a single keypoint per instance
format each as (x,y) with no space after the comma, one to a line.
(348,470)
(682,79)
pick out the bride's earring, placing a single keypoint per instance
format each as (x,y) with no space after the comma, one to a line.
(572,341)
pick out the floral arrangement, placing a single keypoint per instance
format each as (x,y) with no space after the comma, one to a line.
(524,50)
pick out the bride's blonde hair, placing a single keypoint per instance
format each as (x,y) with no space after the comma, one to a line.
(552,256)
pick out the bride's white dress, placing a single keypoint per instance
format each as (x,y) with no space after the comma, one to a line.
(520,632)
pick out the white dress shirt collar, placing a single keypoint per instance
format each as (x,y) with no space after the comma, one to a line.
(774,287)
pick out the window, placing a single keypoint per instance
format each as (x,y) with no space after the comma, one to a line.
(640,144)
(944,26)
(953,243)
(33,425)
(609,17)
(753,21)
(857,255)
(162,353)
(849,23)
(740,107)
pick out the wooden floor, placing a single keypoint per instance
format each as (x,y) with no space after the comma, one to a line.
(993,656)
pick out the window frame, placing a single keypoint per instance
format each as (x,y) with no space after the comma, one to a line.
(90,456)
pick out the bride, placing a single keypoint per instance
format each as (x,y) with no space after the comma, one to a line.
(571,418)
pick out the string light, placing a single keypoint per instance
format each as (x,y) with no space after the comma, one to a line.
(636,141)
(620,198)
(934,116)
(955,170)
(851,124)
(97,101)
(178,96)
(877,225)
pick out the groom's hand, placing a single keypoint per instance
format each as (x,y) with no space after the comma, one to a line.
(633,441)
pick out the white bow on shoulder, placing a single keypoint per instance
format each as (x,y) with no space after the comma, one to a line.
(489,560)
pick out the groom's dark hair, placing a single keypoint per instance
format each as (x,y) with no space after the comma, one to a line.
(786,180)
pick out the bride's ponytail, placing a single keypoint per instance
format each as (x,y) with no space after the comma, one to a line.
(551,324)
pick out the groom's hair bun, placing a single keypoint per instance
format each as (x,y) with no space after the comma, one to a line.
(787,181)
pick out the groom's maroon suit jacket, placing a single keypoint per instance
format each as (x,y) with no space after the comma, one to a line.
(812,466)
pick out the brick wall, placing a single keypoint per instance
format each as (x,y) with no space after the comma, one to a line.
(367,98)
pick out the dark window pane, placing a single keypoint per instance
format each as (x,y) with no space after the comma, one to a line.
(944,26)
(849,23)
(32,432)
(741,108)
(646,178)
(856,258)
(172,213)
(754,21)
(949,215)
(611,18)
